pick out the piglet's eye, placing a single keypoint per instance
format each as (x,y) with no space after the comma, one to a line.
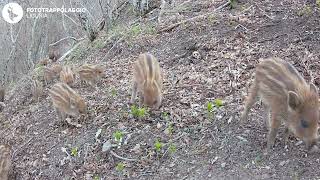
(304,123)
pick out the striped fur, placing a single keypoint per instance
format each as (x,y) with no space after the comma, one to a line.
(2,93)
(66,101)
(91,73)
(147,79)
(36,89)
(67,75)
(289,99)
(52,72)
(5,161)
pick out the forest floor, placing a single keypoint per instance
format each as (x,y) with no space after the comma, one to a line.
(182,140)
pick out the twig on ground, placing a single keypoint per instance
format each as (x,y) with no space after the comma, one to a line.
(123,158)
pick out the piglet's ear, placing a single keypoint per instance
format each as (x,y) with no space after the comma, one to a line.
(313,88)
(293,99)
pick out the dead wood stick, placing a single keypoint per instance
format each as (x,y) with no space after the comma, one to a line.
(69,37)
(193,18)
(67,53)
(125,159)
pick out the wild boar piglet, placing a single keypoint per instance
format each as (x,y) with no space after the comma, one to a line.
(66,101)
(52,72)
(288,98)
(147,81)
(36,89)
(5,161)
(2,93)
(91,73)
(67,75)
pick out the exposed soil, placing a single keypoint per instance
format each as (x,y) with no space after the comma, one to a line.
(230,42)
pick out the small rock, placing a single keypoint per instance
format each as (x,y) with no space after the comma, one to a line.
(106,146)
(230,119)
(159,125)
(282,163)
(242,138)
(298,143)
(223,165)
(172,165)
(44,159)
(196,55)
(247,131)
(98,133)
(214,160)
(136,149)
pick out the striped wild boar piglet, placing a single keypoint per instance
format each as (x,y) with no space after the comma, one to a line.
(91,73)
(288,98)
(66,101)
(147,81)
(52,72)
(67,75)
(5,161)
(2,93)
(36,89)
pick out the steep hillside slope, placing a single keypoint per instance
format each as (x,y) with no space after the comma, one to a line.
(195,144)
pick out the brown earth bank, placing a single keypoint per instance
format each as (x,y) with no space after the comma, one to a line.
(195,144)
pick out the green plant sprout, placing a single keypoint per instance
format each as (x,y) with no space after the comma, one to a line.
(158,145)
(218,103)
(209,107)
(113,92)
(118,135)
(120,167)
(165,115)
(135,30)
(74,151)
(138,112)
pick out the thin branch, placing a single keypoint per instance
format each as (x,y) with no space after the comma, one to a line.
(69,37)
(71,19)
(67,53)
(123,158)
